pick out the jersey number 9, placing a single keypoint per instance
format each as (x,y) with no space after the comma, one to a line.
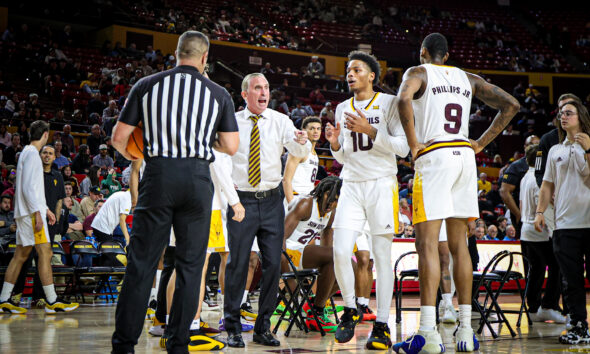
(453,113)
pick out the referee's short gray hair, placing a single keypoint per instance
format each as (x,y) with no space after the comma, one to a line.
(192,44)
(247,78)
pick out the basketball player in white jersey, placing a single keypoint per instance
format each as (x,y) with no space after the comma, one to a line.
(434,104)
(300,173)
(307,218)
(367,137)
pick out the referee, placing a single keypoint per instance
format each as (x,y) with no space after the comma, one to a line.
(184,116)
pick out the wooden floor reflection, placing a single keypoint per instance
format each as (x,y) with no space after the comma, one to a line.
(89,330)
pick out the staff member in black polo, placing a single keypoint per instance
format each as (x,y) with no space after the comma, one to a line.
(257,174)
(184,116)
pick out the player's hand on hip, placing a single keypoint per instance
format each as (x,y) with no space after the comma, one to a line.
(38,222)
(416,150)
(357,122)
(475,146)
(51,217)
(239,212)
(300,136)
(539,222)
(332,133)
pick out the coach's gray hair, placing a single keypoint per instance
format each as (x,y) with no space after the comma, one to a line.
(192,44)
(247,78)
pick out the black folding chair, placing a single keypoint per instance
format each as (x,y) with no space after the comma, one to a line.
(61,270)
(304,279)
(83,248)
(517,277)
(111,248)
(485,280)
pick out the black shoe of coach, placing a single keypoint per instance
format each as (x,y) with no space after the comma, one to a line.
(267,339)
(235,340)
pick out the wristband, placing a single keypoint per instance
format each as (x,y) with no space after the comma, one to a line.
(587,151)
(539,212)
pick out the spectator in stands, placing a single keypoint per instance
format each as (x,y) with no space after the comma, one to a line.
(82,160)
(202,26)
(477,117)
(267,69)
(5,136)
(7,224)
(5,113)
(23,131)
(497,161)
(68,176)
(9,154)
(110,113)
(494,195)
(510,234)
(72,227)
(327,114)
(8,184)
(87,203)
(87,225)
(121,87)
(480,233)
(90,85)
(92,179)
(103,160)
(138,76)
(95,105)
(472,245)
(75,209)
(502,225)
(405,209)
(58,120)
(95,139)
(409,231)
(114,212)
(60,159)
(510,130)
(492,234)
(483,183)
(407,192)
(67,140)
(298,114)
(315,68)
(316,96)
(110,184)
(486,209)
(342,85)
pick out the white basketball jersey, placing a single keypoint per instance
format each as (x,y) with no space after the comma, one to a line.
(304,177)
(222,163)
(306,231)
(363,162)
(442,113)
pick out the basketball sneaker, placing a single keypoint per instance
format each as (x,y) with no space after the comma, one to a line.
(421,342)
(198,342)
(324,321)
(208,331)
(60,306)
(551,315)
(247,312)
(380,338)
(157,328)
(208,305)
(339,308)
(151,310)
(465,340)
(350,318)
(578,334)
(246,327)
(10,307)
(280,309)
(368,314)
(449,315)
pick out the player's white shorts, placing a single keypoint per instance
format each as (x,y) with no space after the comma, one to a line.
(25,231)
(255,245)
(172,242)
(375,202)
(445,183)
(296,197)
(442,236)
(295,250)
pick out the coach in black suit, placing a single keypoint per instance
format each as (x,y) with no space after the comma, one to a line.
(257,174)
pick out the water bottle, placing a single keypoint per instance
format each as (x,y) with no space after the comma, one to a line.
(220,298)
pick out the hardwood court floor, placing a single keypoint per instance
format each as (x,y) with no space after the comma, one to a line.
(89,329)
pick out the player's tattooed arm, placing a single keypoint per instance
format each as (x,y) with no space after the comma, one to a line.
(410,89)
(496,98)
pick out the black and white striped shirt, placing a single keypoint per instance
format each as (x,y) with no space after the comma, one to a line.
(181,111)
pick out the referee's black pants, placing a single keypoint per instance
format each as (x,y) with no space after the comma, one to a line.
(172,192)
(265,218)
(570,247)
(541,256)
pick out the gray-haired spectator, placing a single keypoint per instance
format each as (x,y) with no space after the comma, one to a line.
(109,117)
(267,69)
(315,68)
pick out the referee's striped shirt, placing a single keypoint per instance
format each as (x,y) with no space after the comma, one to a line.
(181,111)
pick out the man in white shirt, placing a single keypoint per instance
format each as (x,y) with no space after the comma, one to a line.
(257,176)
(30,209)
(114,212)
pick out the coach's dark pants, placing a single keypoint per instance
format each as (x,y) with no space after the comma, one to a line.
(265,218)
(541,256)
(570,247)
(172,192)
(164,278)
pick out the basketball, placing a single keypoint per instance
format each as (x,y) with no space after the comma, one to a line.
(135,144)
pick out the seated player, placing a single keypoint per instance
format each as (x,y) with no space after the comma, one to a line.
(307,218)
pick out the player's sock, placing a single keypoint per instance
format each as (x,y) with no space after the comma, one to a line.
(167,319)
(363,301)
(50,294)
(6,291)
(245,297)
(427,318)
(465,316)
(447,299)
(196,324)
(343,265)
(158,277)
(153,294)
(382,257)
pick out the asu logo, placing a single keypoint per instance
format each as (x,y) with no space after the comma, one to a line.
(55,182)
(376,107)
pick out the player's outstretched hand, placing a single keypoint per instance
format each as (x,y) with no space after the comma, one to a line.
(475,146)
(332,133)
(539,222)
(300,136)
(239,212)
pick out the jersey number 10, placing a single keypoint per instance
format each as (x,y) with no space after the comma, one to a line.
(358,142)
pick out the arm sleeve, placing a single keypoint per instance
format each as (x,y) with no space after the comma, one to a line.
(223,177)
(549,175)
(31,175)
(391,138)
(289,142)
(227,116)
(339,155)
(131,113)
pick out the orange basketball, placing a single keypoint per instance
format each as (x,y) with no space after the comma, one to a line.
(135,144)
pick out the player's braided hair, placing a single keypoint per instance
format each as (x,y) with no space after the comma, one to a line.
(331,185)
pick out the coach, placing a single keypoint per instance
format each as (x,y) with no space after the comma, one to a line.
(257,174)
(182,113)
